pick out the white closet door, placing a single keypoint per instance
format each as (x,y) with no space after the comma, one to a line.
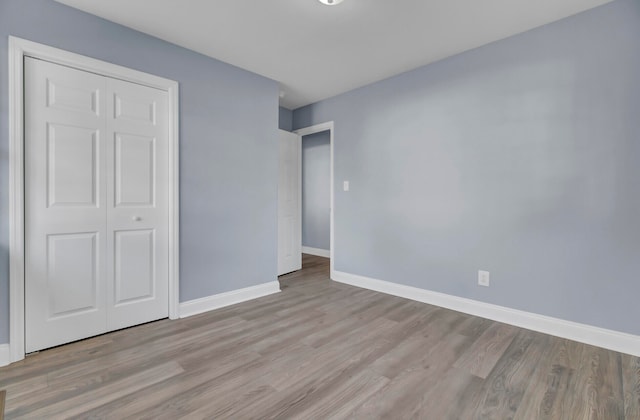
(137,181)
(65,202)
(289,210)
(96,213)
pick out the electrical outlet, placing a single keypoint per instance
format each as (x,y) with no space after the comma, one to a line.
(345,186)
(483,278)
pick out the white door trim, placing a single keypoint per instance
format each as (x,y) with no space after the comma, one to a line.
(312,130)
(18,49)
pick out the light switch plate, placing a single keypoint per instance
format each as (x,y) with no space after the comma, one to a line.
(345,185)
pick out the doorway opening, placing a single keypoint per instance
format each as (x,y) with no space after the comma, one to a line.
(311,180)
(316,195)
(314,141)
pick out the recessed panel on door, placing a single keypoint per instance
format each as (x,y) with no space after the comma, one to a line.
(129,107)
(72,273)
(65,96)
(134,266)
(134,170)
(72,165)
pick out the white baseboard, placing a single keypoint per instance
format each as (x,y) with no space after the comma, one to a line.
(316,251)
(5,355)
(609,339)
(209,303)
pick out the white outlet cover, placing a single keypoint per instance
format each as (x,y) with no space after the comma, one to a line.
(483,278)
(345,185)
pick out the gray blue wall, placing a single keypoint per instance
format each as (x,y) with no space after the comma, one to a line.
(521,157)
(228,173)
(285,119)
(316,183)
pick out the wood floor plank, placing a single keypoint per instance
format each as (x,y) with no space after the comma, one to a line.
(244,399)
(400,394)
(26,386)
(443,400)
(227,408)
(216,393)
(597,388)
(446,319)
(293,334)
(243,339)
(407,309)
(405,354)
(631,386)
(321,349)
(347,352)
(339,401)
(505,386)
(121,363)
(165,348)
(172,395)
(298,393)
(79,384)
(395,361)
(474,327)
(319,299)
(367,312)
(36,363)
(546,396)
(347,298)
(485,352)
(109,392)
(298,397)
(568,354)
(3,394)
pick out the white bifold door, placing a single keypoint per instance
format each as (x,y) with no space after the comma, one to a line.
(96,218)
(289,202)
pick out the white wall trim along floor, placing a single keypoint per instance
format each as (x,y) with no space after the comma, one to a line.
(608,339)
(209,303)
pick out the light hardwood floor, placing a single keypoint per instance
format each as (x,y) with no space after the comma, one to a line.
(325,350)
(2,396)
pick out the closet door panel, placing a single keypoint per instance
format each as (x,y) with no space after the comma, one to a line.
(137,182)
(65,211)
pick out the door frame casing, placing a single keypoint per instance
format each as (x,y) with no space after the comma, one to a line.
(327,126)
(18,49)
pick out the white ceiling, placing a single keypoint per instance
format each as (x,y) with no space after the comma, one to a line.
(318,51)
